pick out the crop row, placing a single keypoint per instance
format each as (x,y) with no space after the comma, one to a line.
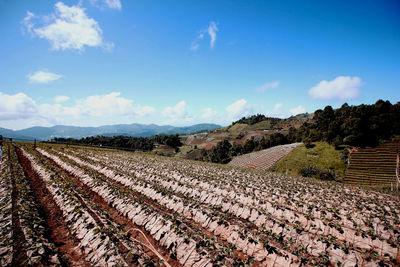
(24,239)
(318,238)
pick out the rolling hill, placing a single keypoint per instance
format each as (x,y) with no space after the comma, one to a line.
(135,130)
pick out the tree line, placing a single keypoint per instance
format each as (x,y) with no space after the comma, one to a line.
(253,119)
(224,150)
(126,142)
(361,126)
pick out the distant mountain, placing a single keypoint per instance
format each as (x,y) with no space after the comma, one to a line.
(12,134)
(135,130)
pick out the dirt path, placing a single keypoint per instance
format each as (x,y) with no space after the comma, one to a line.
(64,241)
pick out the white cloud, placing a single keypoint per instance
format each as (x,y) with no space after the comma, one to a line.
(297,110)
(212,31)
(61,98)
(18,106)
(277,111)
(342,87)
(70,28)
(177,112)
(43,77)
(115,4)
(266,86)
(19,109)
(111,105)
(278,106)
(209,114)
(27,22)
(239,109)
(195,44)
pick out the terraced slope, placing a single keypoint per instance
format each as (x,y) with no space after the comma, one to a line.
(373,166)
(263,159)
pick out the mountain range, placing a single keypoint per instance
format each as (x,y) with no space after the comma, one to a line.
(134,130)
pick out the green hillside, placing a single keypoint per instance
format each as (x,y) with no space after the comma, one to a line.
(322,157)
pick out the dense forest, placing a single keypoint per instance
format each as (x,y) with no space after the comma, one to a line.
(361,126)
(126,142)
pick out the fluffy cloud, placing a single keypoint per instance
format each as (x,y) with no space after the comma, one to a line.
(212,32)
(70,28)
(277,111)
(61,98)
(18,106)
(342,87)
(111,105)
(209,114)
(239,109)
(297,110)
(43,77)
(267,86)
(177,112)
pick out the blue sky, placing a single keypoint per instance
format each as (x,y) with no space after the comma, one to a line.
(97,62)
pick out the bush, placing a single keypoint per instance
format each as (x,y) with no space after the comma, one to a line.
(308,144)
(309,171)
(312,171)
(327,175)
(345,155)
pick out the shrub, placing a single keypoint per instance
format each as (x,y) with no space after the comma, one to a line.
(327,175)
(312,171)
(309,171)
(308,144)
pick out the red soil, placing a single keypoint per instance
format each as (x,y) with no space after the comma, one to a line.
(116,217)
(64,241)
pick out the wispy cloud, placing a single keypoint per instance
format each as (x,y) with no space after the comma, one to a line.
(114,4)
(212,33)
(267,86)
(342,87)
(69,28)
(43,77)
(61,98)
(195,44)
(27,24)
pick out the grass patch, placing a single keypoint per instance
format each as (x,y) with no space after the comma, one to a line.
(262,125)
(322,156)
(237,128)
